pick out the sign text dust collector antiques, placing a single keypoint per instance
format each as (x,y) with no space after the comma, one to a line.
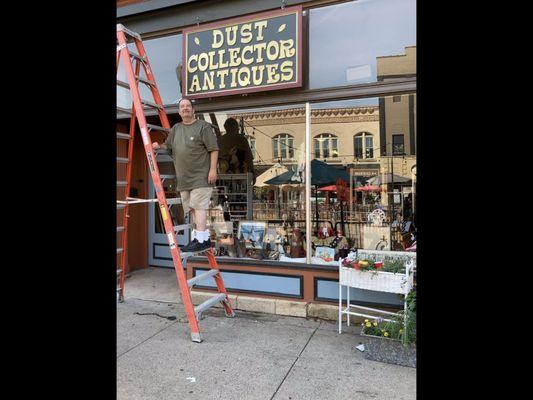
(248,54)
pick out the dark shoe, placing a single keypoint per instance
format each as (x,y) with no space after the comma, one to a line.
(195,246)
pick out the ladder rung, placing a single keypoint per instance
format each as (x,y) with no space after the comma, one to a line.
(200,277)
(123,84)
(209,303)
(173,201)
(190,254)
(121,135)
(157,128)
(124,110)
(178,228)
(162,152)
(135,55)
(120,250)
(120,229)
(151,104)
(118,272)
(118,289)
(122,183)
(145,81)
(123,160)
(167,176)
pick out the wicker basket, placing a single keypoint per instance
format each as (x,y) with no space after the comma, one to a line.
(374,280)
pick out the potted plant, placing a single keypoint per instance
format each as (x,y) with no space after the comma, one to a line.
(394,341)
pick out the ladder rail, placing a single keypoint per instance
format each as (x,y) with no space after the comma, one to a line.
(125,215)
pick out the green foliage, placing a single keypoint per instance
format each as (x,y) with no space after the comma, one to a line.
(402,327)
(396,266)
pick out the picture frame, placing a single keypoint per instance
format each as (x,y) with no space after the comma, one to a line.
(252,233)
(325,253)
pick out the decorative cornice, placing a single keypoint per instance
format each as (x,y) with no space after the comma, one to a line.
(319,116)
(301,120)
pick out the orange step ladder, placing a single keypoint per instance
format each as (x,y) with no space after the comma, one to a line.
(125,36)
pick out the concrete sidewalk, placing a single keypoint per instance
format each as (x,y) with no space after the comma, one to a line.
(251,356)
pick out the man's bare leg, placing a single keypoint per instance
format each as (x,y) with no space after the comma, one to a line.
(200,217)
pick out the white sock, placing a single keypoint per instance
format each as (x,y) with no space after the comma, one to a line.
(202,236)
(194,234)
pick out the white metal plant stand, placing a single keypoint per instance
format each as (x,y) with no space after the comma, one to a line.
(372,280)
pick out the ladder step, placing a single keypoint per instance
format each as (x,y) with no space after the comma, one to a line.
(118,289)
(124,110)
(167,176)
(162,152)
(200,277)
(178,228)
(151,104)
(118,272)
(122,183)
(120,229)
(135,55)
(120,250)
(121,135)
(209,303)
(145,81)
(123,160)
(157,128)
(123,84)
(173,201)
(192,253)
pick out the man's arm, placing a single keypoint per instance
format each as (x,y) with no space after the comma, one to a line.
(212,177)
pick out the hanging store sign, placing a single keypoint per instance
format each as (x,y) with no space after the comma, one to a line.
(242,55)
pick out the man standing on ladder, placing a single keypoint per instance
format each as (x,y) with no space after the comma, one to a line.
(193,146)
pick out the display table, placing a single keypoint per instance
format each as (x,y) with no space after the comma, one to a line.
(372,280)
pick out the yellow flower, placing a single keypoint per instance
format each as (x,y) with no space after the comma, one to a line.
(375,324)
(401,330)
(386,334)
(368,324)
(366,320)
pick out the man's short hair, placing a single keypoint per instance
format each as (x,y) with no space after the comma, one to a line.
(185,98)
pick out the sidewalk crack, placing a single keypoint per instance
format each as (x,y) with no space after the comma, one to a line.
(297,358)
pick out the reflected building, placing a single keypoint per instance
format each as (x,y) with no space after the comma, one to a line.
(339,136)
(397,120)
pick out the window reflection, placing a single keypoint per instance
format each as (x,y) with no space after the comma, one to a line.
(380,163)
(348,41)
(363,145)
(164,55)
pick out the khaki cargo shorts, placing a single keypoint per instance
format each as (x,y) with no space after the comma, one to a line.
(197,199)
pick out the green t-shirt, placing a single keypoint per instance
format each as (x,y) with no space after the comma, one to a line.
(189,147)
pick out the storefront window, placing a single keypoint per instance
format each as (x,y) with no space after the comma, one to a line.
(346,41)
(376,212)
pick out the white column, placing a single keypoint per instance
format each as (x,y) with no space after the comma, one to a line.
(308,182)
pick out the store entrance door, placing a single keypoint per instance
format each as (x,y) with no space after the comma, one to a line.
(158,249)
